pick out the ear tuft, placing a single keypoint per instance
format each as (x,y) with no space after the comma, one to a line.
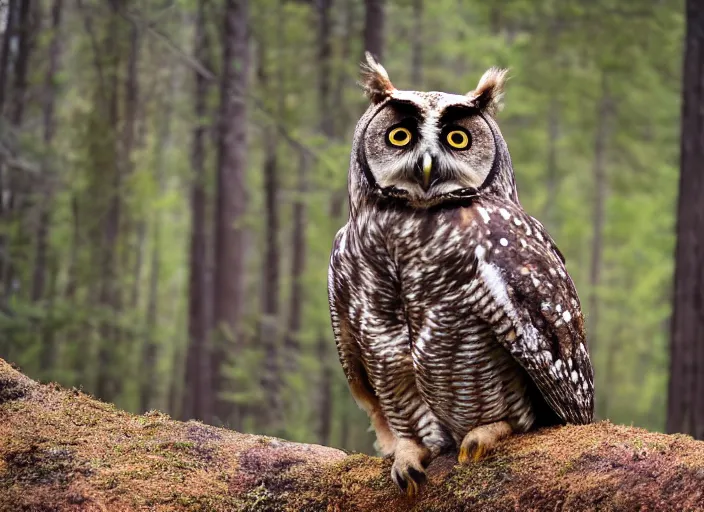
(489,94)
(375,80)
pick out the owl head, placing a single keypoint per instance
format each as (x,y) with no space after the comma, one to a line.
(427,148)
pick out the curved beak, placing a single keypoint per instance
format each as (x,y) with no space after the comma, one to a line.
(427,169)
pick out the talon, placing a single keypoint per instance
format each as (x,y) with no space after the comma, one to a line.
(464,455)
(479,452)
(417,476)
(481,440)
(407,471)
(412,489)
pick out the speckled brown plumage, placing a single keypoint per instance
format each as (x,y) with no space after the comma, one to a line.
(455,319)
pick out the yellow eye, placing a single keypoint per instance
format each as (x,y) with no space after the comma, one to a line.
(458,139)
(400,136)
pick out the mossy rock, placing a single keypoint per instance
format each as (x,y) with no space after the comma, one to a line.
(63,450)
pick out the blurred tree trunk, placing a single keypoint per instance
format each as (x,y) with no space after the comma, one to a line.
(298,260)
(5,52)
(141,235)
(198,395)
(417,45)
(12,211)
(551,171)
(109,293)
(24,44)
(231,204)
(343,116)
(269,321)
(554,91)
(326,127)
(300,218)
(42,236)
(4,73)
(374,21)
(603,121)
(686,390)
(149,349)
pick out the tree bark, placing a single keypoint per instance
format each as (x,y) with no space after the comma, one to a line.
(686,389)
(40,258)
(108,295)
(198,395)
(374,21)
(48,356)
(343,117)
(62,450)
(231,203)
(552,169)
(42,235)
(24,30)
(4,72)
(16,183)
(601,137)
(326,127)
(150,347)
(5,52)
(417,45)
(324,391)
(298,263)
(269,332)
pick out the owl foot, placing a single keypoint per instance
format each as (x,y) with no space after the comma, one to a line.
(481,440)
(385,438)
(408,469)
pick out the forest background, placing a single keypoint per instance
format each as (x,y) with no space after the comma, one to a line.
(173,172)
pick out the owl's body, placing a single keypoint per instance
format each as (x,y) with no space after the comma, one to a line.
(455,319)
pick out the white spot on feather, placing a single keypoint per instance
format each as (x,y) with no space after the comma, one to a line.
(567,316)
(504,213)
(504,242)
(485,215)
(517,221)
(575,376)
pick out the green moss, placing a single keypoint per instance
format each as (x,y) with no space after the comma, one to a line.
(180,445)
(566,468)
(62,441)
(260,499)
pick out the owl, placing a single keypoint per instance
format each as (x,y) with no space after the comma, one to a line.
(455,320)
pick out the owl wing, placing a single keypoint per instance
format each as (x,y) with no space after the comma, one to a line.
(347,347)
(534,308)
